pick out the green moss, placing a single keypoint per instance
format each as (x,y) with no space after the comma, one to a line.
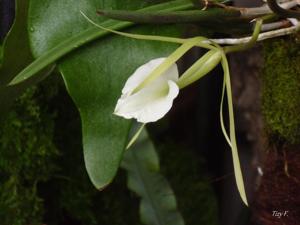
(26,154)
(186,173)
(281,89)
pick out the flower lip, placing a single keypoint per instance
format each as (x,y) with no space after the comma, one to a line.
(153,101)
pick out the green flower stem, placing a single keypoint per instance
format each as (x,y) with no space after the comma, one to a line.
(200,68)
(135,136)
(209,16)
(250,44)
(87,36)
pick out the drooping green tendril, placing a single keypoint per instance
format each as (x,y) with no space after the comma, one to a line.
(232,135)
(231,138)
(287,13)
(207,17)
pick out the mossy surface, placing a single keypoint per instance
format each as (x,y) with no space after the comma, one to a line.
(281,89)
(26,150)
(42,173)
(188,178)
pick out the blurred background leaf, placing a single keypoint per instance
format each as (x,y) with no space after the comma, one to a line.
(158,203)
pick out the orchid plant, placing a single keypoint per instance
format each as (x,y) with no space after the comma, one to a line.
(149,92)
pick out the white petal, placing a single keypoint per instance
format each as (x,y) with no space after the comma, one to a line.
(150,104)
(145,70)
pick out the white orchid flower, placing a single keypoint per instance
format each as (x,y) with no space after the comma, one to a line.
(149,93)
(155,99)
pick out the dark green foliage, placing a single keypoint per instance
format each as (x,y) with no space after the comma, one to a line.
(19,203)
(43,178)
(26,152)
(70,197)
(158,202)
(186,173)
(281,89)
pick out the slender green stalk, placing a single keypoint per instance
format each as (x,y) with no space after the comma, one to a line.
(135,136)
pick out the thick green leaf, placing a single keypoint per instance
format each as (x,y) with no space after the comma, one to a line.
(158,203)
(95,74)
